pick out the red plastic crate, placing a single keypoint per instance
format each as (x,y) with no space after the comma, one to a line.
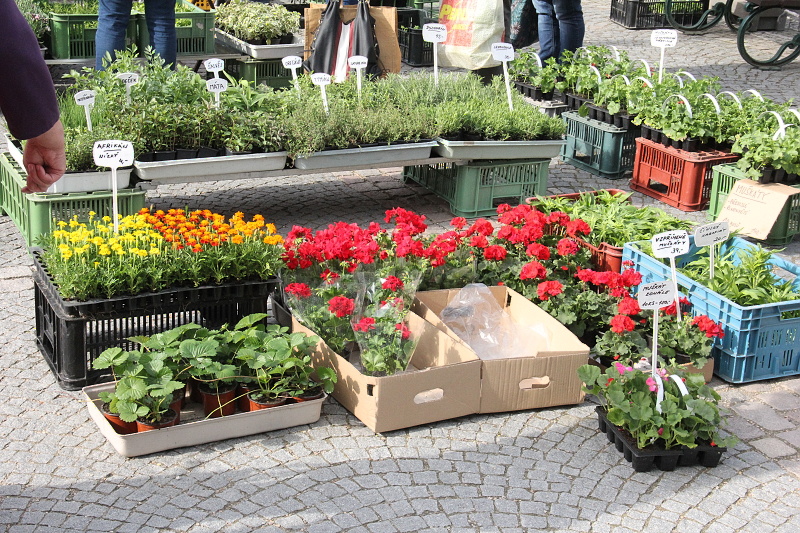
(676,177)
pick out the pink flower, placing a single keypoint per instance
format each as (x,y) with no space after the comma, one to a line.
(622,368)
(651,383)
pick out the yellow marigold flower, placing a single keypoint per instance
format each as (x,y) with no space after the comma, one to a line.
(271,228)
(66,254)
(155,251)
(120,251)
(106,219)
(97,241)
(273,239)
(142,253)
(96,264)
(61,224)
(73,223)
(237,239)
(104,250)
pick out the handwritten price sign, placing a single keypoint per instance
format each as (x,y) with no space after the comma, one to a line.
(670,243)
(656,295)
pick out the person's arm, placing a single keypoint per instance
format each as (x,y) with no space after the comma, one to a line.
(28,100)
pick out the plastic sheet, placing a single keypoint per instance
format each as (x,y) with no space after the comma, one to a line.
(476,317)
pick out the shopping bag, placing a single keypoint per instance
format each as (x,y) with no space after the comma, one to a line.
(472,27)
(524,24)
(336,39)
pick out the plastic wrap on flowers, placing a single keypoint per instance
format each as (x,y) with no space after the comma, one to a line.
(383,300)
(326,309)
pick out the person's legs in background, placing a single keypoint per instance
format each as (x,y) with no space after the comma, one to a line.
(112,25)
(549,38)
(570,23)
(160,17)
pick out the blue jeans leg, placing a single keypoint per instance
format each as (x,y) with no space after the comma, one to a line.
(549,38)
(113,17)
(160,17)
(561,26)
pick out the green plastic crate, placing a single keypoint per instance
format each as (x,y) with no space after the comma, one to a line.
(34,213)
(787,224)
(477,189)
(270,72)
(72,36)
(195,39)
(599,148)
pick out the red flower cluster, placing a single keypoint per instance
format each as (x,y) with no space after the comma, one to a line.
(670,309)
(344,243)
(546,289)
(404,331)
(301,290)
(622,323)
(367,323)
(709,327)
(629,306)
(619,284)
(341,306)
(533,270)
(392,283)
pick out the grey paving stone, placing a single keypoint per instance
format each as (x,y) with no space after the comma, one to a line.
(773,447)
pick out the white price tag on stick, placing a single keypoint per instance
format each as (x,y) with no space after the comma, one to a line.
(504,53)
(358,63)
(293,63)
(214,65)
(217,86)
(86,99)
(129,79)
(113,154)
(434,33)
(709,235)
(672,244)
(663,39)
(655,296)
(321,79)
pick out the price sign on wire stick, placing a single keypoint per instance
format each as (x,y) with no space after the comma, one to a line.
(709,235)
(86,99)
(504,53)
(672,244)
(293,63)
(214,65)
(113,154)
(434,33)
(129,79)
(217,86)
(359,63)
(321,79)
(655,296)
(663,39)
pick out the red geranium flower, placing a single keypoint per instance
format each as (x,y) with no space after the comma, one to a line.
(533,270)
(629,306)
(365,324)
(392,283)
(301,290)
(341,306)
(567,247)
(622,323)
(495,252)
(546,289)
(539,251)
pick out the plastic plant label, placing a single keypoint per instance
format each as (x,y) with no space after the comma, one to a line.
(217,85)
(357,62)
(113,154)
(656,295)
(709,234)
(85,98)
(434,33)
(502,51)
(292,62)
(670,243)
(214,65)
(129,78)
(664,38)
(320,78)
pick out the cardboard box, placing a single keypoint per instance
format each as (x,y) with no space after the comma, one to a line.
(444,382)
(546,379)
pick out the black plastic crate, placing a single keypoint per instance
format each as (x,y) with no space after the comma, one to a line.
(72,334)
(414,50)
(649,14)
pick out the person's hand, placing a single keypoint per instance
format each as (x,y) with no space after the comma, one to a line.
(44,159)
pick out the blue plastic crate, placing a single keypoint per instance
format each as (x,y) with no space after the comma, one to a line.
(760,342)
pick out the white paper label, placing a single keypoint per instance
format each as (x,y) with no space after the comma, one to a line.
(320,78)
(217,85)
(292,62)
(709,234)
(502,51)
(670,243)
(664,38)
(214,64)
(113,154)
(357,62)
(656,295)
(129,78)
(85,98)
(434,33)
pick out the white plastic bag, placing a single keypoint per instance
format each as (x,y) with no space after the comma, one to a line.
(472,27)
(476,317)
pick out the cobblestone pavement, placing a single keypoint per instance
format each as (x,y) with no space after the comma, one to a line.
(523,471)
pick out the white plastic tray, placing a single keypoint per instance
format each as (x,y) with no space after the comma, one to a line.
(266,51)
(380,155)
(200,430)
(210,166)
(499,149)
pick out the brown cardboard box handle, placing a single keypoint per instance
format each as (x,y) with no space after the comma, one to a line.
(428,396)
(535,383)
